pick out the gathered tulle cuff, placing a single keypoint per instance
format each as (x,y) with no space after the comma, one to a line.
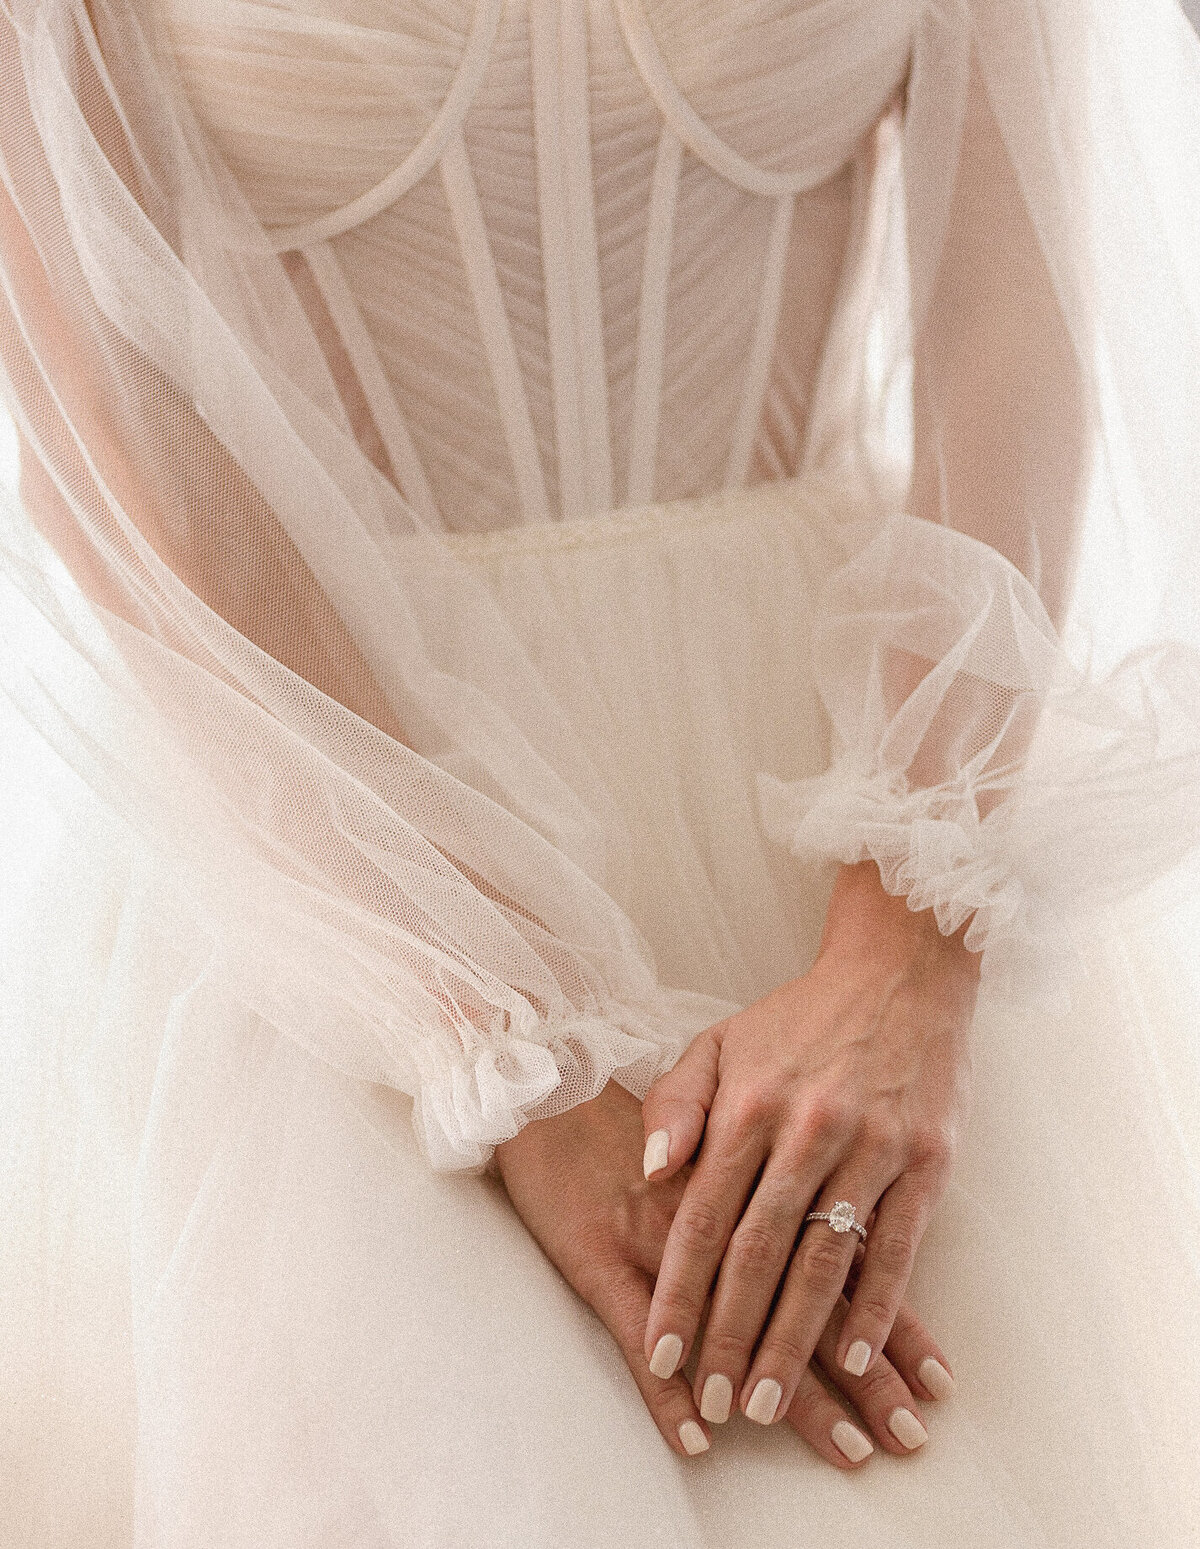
(1107,805)
(932,847)
(473,1082)
(467,1104)
(989,778)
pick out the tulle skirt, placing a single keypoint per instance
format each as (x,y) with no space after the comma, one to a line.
(238,1309)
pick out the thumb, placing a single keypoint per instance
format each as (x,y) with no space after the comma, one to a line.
(676,1106)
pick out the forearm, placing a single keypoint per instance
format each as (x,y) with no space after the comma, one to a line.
(1000,411)
(248,570)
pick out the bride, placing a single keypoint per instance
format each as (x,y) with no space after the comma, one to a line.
(601,755)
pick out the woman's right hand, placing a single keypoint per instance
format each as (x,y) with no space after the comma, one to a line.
(576,1181)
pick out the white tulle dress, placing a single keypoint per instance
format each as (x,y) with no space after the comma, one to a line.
(512,493)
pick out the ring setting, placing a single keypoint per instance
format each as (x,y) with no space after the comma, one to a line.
(841,1218)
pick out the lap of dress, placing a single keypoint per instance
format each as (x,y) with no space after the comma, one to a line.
(240,1310)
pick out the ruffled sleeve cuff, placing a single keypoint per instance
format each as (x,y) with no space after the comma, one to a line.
(467,1102)
(479,1059)
(1054,795)
(932,847)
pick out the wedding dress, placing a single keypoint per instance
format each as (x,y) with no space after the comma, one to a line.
(511,495)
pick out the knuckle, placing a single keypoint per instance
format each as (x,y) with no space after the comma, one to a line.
(806,1409)
(784,1352)
(676,1307)
(793,1152)
(668,1415)
(663,1402)
(894,1253)
(877,1387)
(827,1118)
(725,1350)
(592,1269)
(874,1308)
(932,1146)
(904,1212)
(823,1265)
(699,1228)
(597,1241)
(665,1090)
(751,1110)
(813,1413)
(627,1323)
(756,1248)
(907,1325)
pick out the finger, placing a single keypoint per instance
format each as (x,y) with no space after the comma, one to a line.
(676,1107)
(917,1358)
(911,1348)
(891,1247)
(814,1281)
(754,1263)
(852,1277)
(816,1415)
(882,1397)
(712,1204)
(621,1298)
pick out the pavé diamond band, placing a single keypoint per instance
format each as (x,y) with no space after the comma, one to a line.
(841,1218)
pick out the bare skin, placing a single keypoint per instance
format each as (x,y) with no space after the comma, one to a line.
(848,1083)
(576,1181)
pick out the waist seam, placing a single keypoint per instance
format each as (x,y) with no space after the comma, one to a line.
(777,500)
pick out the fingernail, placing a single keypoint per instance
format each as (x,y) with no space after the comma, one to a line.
(657,1150)
(858,1358)
(935,1377)
(907,1429)
(716,1399)
(764,1401)
(666,1355)
(693,1438)
(851,1442)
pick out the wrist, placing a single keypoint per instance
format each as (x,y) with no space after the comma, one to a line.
(542,1137)
(863,917)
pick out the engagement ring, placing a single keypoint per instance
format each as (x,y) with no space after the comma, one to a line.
(841,1218)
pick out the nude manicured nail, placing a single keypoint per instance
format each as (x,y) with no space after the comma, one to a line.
(693,1438)
(907,1429)
(666,1355)
(858,1358)
(658,1148)
(716,1398)
(764,1401)
(851,1442)
(936,1378)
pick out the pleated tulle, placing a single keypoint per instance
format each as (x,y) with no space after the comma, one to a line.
(240,1309)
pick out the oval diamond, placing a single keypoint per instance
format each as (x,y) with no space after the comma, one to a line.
(841,1217)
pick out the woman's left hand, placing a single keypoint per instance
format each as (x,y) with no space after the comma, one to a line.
(849,1083)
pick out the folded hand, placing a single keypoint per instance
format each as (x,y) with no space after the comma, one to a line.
(847,1084)
(576,1180)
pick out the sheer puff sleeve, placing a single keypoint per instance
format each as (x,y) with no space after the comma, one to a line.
(1010,665)
(345,774)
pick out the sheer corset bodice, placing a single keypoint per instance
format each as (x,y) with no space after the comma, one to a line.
(534,229)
